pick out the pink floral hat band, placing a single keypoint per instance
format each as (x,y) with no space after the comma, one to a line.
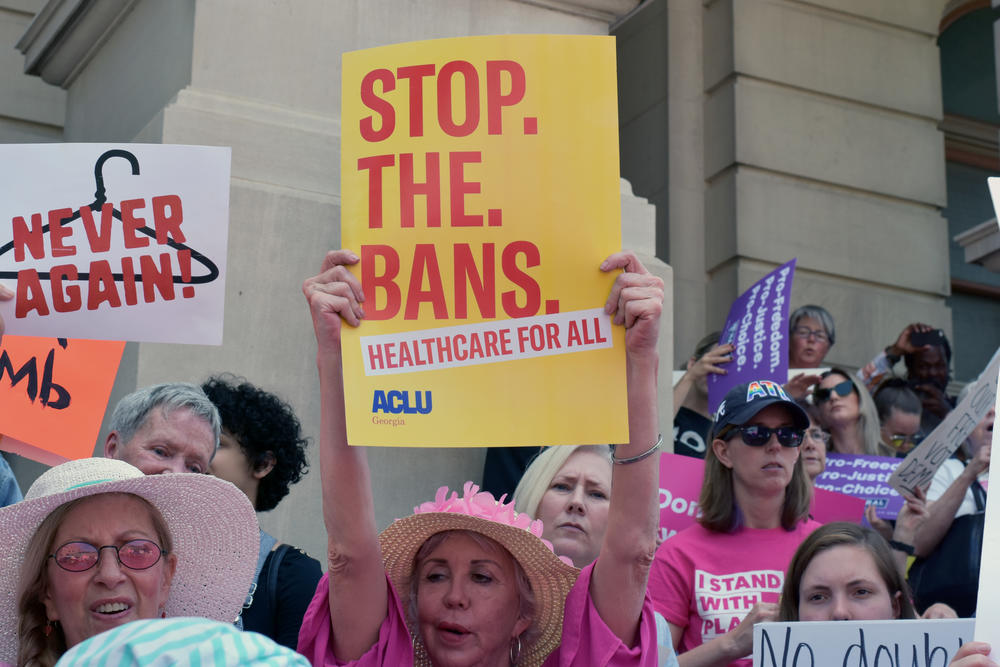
(551,576)
(483,505)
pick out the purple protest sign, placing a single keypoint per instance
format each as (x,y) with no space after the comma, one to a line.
(865,477)
(757,327)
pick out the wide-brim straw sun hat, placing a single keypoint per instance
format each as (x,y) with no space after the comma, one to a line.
(213,525)
(551,576)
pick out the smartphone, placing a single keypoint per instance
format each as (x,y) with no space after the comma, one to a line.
(921,338)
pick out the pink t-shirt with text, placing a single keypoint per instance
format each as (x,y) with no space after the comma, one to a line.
(707,582)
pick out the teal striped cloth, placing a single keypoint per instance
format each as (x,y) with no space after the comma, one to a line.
(179,641)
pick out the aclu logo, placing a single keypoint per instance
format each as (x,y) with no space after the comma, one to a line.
(402,402)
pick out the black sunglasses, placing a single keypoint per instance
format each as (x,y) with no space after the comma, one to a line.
(756,435)
(822,394)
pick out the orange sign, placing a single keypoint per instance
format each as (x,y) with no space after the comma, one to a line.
(53,393)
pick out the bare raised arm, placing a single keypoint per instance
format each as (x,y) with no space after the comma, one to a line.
(619,579)
(358,590)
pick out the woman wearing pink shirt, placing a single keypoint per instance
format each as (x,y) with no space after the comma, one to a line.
(714,580)
(465,580)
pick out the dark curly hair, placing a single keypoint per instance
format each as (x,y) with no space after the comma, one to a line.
(265,426)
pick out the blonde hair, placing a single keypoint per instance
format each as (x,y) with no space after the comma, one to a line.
(526,604)
(868,421)
(544,467)
(35,649)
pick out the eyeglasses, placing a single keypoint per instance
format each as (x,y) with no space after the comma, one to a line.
(756,435)
(900,440)
(805,333)
(823,394)
(81,556)
(818,434)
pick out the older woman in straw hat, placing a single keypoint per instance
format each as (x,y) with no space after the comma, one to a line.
(96,544)
(466,580)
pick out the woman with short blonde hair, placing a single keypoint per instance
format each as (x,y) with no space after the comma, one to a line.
(543,468)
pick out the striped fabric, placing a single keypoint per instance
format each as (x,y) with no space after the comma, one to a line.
(179,641)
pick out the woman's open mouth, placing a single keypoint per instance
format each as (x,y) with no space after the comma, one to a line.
(453,633)
(111,608)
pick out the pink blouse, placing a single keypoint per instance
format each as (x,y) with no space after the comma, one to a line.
(586,642)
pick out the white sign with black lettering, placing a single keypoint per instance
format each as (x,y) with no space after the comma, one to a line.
(911,643)
(919,466)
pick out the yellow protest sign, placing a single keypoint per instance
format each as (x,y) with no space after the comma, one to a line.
(480,188)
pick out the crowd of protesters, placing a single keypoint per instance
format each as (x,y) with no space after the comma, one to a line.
(103,556)
(874,412)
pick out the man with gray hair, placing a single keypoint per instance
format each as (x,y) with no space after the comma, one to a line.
(170,427)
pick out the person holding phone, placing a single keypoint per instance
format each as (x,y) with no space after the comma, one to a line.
(926,353)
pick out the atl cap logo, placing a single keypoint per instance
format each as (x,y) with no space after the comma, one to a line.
(765,388)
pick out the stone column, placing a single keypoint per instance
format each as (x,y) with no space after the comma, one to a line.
(264,78)
(821,143)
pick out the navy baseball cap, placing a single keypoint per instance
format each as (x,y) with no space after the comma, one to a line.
(744,401)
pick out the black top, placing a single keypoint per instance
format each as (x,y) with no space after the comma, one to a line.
(278,612)
(691,433)
(504,467)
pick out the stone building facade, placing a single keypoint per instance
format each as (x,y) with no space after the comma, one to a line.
(840,132)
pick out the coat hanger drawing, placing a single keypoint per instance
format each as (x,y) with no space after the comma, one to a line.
(101,198)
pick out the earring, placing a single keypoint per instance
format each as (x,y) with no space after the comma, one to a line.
(47,630)
(515,650)
(419,652)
